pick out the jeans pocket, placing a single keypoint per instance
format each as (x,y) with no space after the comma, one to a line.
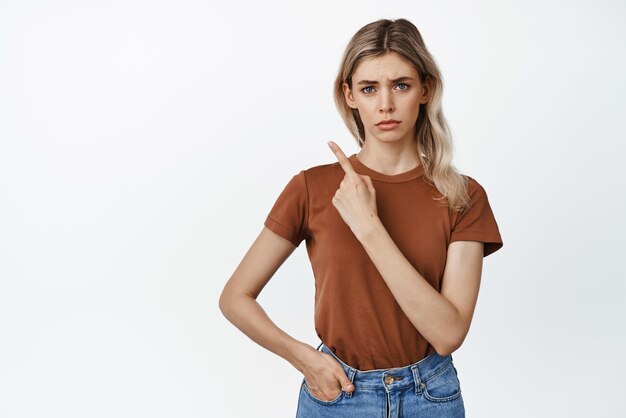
(444,386)
(306,390)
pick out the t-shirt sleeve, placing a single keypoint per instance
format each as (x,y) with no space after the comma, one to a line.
(477,222)
(289,215)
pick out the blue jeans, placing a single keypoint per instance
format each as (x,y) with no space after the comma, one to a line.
(427,388)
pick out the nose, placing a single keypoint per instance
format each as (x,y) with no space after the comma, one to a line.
(386,104)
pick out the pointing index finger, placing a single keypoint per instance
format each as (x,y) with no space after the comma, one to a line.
(343,160)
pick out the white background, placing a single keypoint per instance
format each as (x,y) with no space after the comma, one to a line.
(142,144)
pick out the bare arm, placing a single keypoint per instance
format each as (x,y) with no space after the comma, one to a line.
(324,375)
(442,318)
(238,299)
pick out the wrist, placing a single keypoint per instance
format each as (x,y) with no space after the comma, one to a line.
(295,352)
(370,229)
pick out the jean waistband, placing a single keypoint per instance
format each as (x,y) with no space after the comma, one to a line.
(396,378)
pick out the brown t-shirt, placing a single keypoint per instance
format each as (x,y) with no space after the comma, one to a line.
(356,315)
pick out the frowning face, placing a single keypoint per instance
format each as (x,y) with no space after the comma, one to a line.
(383,88)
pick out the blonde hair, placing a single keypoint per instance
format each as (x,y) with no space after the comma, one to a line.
(432,134)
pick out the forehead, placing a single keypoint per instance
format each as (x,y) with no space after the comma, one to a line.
(385,67)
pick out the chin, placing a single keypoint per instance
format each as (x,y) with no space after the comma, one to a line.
(390,136)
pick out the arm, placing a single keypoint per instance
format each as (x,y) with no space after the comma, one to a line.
(238,304)
(442,318)
(238,299)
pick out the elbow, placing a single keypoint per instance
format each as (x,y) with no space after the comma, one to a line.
(225,303)
(448,347)
(445,350)
(230,301)
(452,339)
(227,299)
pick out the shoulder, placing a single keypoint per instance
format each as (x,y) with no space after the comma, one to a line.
(473,186)
(322,172)
(313,179)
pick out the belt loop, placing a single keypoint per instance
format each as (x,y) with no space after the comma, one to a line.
(419,385)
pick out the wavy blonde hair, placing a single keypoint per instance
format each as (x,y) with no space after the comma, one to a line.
(432,134)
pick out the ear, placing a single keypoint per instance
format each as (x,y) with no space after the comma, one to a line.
(427,89)
(348,95)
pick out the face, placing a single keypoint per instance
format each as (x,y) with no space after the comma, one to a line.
(387,87)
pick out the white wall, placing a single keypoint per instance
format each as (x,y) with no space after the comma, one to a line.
(140,153)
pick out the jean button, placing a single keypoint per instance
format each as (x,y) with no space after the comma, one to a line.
(389,379)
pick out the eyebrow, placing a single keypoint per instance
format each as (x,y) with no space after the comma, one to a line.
(393,81)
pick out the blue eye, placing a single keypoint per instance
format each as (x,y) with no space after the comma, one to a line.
(370,87)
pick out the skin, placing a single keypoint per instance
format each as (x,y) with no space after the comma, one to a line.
(442,318)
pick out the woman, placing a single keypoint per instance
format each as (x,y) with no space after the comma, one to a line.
(396,238)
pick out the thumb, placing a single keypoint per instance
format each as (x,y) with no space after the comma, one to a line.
(346,384)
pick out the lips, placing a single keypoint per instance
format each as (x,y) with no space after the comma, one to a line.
(387,121)
(388,126)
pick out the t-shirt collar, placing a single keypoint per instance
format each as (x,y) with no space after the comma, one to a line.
(361,168)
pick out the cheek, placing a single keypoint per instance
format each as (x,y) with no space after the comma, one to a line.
(369,113)
(412,106)
(412,99)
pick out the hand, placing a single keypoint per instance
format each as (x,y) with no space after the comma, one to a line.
(325,377)
(356,197)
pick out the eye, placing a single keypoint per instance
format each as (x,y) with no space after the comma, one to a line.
(371,87)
